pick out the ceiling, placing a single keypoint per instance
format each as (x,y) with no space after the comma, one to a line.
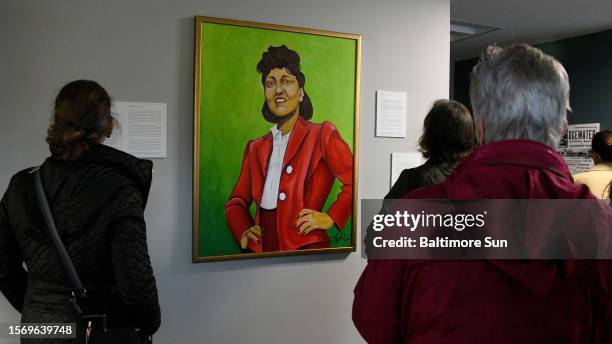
(533,21)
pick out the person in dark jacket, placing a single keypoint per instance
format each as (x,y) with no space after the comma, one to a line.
(97,196)
(520,97)
(449,134)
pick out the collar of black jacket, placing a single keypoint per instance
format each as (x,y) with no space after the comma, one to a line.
(138,170)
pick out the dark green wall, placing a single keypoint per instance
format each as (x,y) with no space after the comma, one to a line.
(588,61)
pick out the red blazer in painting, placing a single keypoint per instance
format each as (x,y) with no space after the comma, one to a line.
(315,156)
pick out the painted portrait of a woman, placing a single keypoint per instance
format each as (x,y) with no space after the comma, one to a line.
(288,172)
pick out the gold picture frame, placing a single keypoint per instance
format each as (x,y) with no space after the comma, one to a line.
(213,34)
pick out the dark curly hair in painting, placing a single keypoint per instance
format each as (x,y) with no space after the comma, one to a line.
(283,57)
(449,132)
(81,117)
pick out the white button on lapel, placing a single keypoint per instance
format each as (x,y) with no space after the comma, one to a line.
(289,169)
(282,196)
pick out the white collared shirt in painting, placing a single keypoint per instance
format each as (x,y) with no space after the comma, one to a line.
(275,168)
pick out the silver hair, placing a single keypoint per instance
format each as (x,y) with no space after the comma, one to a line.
(520,93)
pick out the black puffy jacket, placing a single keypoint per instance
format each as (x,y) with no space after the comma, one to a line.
(432,172)
(97,202)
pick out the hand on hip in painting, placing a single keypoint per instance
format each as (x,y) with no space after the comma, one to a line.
(252,233)
(309,220)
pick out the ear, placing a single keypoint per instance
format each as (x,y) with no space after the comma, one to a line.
(596,157)
(481,130)
(301,94)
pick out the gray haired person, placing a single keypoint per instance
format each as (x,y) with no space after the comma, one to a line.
(520,97)
(520,93)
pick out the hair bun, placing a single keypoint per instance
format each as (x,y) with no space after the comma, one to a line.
(72,134)
(82,116)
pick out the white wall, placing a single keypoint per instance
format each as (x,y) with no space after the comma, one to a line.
(143,51)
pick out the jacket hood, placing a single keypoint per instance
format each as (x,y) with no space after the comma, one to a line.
(539,276)
(139,171)
(524,169)
(80,192)
(513,169)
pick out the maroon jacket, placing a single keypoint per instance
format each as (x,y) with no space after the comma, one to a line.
(490,301)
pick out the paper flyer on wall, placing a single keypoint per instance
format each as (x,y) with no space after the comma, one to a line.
(575,146)
(391,113)
(402,161)
(140,129)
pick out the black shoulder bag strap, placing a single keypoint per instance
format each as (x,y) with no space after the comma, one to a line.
(78,289)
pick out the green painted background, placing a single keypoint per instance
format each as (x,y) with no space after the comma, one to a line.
(230,112)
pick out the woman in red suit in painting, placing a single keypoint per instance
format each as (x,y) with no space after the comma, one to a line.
(290,171)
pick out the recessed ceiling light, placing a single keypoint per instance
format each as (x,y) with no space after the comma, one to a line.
(460,30)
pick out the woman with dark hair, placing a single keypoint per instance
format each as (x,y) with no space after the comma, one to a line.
(449,134)
(97,196)
(597,179)
(289,171)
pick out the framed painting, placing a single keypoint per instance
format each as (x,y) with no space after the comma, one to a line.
(276,129)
